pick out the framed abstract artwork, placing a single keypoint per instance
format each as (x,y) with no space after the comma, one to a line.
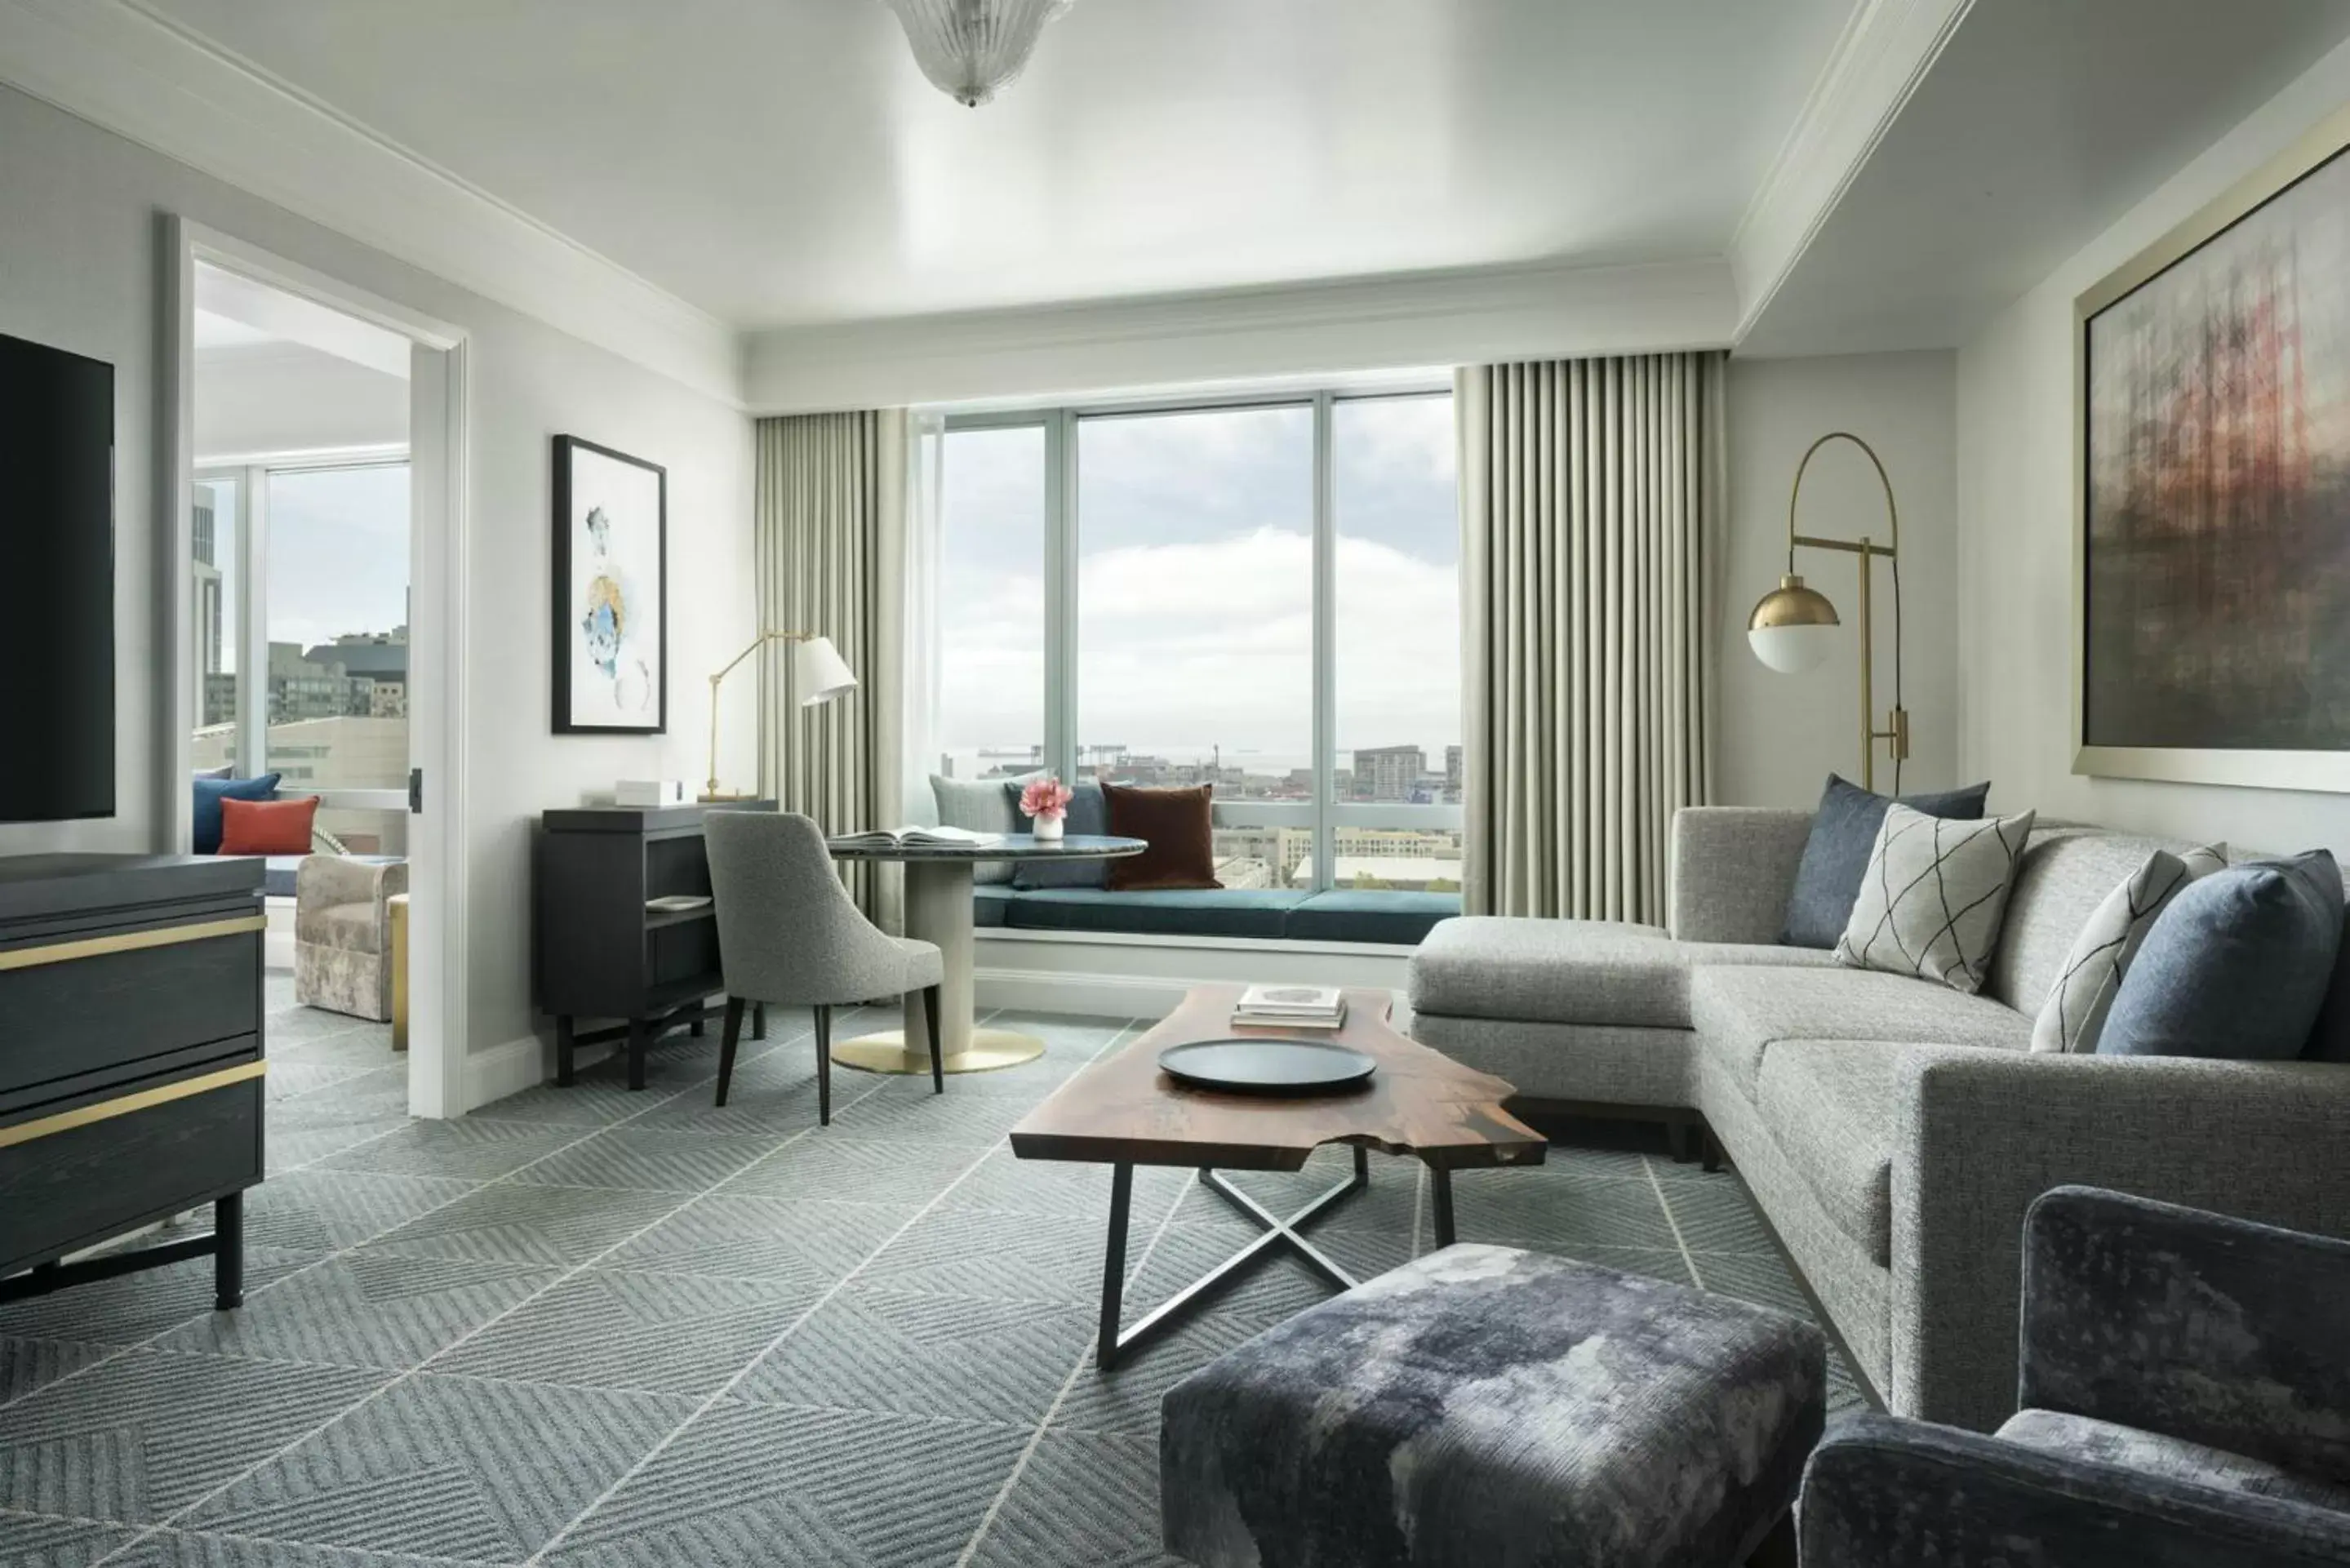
(611,591)
(2212,478)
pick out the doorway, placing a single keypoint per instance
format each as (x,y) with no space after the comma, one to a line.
(317,438)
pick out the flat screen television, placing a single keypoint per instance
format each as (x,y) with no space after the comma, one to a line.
(57,583)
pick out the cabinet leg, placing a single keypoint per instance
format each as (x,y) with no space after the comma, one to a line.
(228,1252)
(824,1066)
(565,1049)
(640,1032)
(758,1021)
(697,1030)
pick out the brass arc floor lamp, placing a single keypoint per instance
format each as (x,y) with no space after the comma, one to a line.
(1792,628)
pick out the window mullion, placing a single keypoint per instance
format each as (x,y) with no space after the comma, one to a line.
(1326,645)
(252,679)
(1061,595)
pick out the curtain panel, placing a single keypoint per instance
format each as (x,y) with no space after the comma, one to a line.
(830,530)
(1590,507)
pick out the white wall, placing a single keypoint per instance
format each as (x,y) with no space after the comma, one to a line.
(283,397)
(2015,528)
(1782,734)
(81,263)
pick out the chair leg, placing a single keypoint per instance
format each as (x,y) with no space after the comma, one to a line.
(727,1050)
(938,1060)
(824,1066)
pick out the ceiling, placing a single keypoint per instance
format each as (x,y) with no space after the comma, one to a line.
(782,162)
(2037,128)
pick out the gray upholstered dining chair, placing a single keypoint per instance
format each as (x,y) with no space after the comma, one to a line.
(789,934)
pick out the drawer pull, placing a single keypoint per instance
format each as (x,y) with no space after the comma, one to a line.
(128,942)
(145,1099)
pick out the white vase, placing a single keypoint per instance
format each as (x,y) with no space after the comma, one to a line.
(1047,829)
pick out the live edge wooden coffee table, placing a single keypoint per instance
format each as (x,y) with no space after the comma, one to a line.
(1124,1111)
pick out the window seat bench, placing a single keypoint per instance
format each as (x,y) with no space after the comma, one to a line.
(1334,915)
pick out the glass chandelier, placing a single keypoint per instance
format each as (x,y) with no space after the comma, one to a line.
(971,48)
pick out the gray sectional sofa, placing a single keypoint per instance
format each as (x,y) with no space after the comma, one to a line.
(1892,1131)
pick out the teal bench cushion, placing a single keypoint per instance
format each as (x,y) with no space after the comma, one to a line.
(1201,912)
(1352,915)
(991,903)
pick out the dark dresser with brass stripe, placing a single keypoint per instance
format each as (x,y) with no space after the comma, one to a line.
(131,1061)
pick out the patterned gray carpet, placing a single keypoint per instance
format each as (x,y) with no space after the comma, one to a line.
(590,1327)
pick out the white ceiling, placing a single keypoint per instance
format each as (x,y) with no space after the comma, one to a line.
(783,162)
(2038,126)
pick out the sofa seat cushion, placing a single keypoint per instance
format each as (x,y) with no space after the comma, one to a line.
(1833,1107)
(1362,914)
(1187,912)
(2172,1458)
(1731,955)
(1739,1011)
(1552,971)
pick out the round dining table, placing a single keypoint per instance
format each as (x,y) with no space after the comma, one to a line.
(939,911)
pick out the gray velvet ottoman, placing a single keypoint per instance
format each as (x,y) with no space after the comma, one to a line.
(1484,1405)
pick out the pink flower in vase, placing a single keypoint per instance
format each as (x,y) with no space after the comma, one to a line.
(1046,799)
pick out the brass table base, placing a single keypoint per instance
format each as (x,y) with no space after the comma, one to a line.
(990,1050)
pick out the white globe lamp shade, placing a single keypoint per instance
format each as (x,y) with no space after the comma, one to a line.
(1793,629)
(818,672)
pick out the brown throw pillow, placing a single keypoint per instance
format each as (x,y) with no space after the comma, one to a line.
(1180,827)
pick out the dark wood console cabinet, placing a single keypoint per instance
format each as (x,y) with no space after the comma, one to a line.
(600,953)
(131,1061)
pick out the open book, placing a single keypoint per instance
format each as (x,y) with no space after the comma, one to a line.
(919,837)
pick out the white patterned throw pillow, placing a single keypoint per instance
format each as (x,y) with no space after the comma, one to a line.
(2075,1013)
(1934,896)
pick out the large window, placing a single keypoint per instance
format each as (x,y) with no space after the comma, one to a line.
(1174,596)
(300,618)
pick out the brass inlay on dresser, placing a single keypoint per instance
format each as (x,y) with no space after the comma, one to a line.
(145,1099)
(128,942)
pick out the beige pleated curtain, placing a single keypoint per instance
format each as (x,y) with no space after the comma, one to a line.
(1590,497)
(830,558)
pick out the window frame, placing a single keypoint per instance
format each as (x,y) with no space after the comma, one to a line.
(250,475)
(1324,814)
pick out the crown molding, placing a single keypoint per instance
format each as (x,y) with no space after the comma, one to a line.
(1885,50)
(1189,339)
(142,76)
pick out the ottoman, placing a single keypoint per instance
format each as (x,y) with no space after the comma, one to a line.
(1486,1405)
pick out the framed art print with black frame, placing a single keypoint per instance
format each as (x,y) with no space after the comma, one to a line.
(611,592)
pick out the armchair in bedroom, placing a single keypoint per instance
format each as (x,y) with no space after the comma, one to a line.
(2183,1400)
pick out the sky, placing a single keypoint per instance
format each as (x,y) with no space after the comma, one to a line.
(337,552)
(1195,582)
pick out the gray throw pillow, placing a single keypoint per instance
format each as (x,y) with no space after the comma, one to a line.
(2237,967)
(1088,813)
(2329,1040)
(1934,896)
(2075,1013)
(1844,832)
(980,805)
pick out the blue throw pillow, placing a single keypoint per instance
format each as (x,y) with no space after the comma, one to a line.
(1835,857)
(1088,813)
(2235,968)
(210,792)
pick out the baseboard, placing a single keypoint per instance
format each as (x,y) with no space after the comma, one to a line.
(504,1070)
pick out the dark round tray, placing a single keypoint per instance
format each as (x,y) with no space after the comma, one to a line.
(1267,1066)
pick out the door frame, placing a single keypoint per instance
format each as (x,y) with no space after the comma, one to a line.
(440,398)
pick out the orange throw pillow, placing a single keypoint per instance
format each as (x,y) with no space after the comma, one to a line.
(1180,828)
(268,827)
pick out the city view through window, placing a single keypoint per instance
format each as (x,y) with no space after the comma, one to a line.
(1192,626)
(330,548)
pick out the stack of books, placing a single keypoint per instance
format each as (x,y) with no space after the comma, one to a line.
(1291,1007)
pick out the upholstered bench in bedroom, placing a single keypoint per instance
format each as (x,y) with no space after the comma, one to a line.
(1483,1405)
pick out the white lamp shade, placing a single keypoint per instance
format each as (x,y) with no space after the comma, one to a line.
(818,672)
(1791,650)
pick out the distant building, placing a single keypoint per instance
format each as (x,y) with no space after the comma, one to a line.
(1453,773)
(1388,773)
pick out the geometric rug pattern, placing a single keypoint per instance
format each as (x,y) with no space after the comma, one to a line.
(589,1328)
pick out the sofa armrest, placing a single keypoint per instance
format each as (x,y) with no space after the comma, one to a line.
(1984,1132)
(2195,1325)
(1732,869)
(1884,1493)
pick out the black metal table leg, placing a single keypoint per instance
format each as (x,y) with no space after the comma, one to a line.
(640,1034)
(1440,1189)
(1113,1296)
(228,1252)
(565,1048)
